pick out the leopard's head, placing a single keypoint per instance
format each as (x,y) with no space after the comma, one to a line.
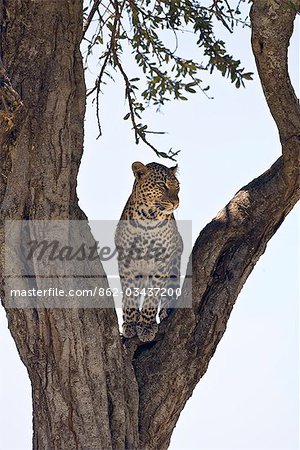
(155,190)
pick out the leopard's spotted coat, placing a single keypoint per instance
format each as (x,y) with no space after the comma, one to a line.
(150,248)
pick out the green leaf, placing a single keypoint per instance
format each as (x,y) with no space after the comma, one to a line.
(110,26)
(189,89)
(248,76)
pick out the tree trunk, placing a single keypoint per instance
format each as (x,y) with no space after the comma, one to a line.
(91,390)
(74,362)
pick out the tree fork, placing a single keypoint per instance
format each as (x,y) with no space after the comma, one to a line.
(90,390)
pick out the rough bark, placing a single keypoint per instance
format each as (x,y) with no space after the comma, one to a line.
(73,361)
(91,391)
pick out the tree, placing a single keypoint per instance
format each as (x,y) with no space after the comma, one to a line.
(104,395)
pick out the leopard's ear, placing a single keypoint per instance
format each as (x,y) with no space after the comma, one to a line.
(139,169)
(174,169)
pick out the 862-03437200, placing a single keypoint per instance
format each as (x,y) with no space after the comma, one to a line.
(151,291)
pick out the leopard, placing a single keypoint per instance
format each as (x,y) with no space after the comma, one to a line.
(149,249)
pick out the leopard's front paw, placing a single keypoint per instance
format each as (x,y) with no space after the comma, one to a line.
(146,332)
(129,330)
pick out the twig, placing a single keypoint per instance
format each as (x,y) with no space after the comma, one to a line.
(90,16)
(138,133)
(110,51)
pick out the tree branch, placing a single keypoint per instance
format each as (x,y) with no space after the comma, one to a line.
(272,28)
(90,17)
(224,255)
(226,251)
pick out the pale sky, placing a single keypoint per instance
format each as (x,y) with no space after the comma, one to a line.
(248,399)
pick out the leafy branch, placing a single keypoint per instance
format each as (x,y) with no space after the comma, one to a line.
(141,30)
